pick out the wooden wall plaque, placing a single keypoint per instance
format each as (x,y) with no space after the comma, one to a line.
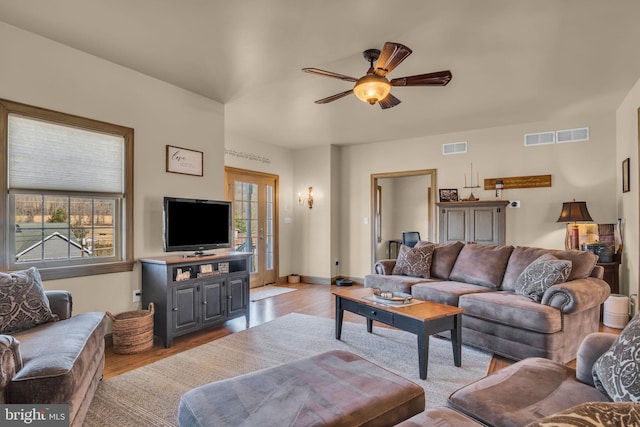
(532,181)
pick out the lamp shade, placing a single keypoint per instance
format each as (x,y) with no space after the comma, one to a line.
(574,211)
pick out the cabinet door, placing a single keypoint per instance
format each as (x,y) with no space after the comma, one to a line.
(212,301)
(453,225)
(185,308)
(238,294)
(486,225)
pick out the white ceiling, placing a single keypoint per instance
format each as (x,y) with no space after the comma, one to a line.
(513,61)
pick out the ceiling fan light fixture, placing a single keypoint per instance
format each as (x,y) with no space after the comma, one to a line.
(372,88)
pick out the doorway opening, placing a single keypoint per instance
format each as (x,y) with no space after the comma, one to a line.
(401,201)
(255,220)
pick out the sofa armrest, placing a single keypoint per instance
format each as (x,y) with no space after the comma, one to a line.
(384,266)
(60,303)
(577,295)
(592,347)
(10,362)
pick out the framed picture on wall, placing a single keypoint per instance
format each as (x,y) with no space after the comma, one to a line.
(184,161)
(448,194)
(625,175)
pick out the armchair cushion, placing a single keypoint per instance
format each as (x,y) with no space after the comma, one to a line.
(540,275)
(23,303)
(414,262)
(617,372)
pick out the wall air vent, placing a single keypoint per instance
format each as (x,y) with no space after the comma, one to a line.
(572,135)
(454,147)
(540,138)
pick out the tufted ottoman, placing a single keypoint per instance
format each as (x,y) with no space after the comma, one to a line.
(336,388)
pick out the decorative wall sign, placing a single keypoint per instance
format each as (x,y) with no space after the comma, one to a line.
(184,161)
(532,181)
(625,175)
(248,156)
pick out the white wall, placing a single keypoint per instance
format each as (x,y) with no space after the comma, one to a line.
(46,74)
(627,203)
(584,170)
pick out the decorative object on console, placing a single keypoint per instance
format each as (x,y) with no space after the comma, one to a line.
(499,187)
(471,197)
(309,198)
(448,194)
(574,212)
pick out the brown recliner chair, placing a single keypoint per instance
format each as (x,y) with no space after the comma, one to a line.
(536,391)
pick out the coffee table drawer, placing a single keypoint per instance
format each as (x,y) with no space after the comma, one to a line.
(376,314)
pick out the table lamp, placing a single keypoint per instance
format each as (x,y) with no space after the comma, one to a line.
(574,212)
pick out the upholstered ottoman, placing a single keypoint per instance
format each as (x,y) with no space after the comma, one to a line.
(336,388)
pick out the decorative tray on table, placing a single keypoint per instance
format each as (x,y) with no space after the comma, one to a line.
(391,297)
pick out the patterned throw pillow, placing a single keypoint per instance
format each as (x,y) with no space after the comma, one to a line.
(541,274)
(414,262)
(23,303)
(617,372)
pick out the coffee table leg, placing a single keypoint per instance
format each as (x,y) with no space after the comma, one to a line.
(423,352)
(369,325)
(339,316)
(456,340)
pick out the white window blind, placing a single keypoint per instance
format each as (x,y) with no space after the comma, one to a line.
(48,156)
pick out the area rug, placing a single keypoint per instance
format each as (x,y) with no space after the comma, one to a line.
(149,396)
(268,291)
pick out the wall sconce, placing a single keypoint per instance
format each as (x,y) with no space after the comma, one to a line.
(309,198)
(573,212)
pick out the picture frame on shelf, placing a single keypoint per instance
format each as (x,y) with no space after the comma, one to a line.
(184,161)
(625,175)
(448,194)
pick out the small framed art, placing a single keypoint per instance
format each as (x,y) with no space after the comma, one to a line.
(184,161)
(625,175)
(448,194)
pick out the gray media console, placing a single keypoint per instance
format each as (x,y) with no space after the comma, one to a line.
(192,293)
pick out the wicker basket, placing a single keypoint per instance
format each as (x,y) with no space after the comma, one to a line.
(132,331)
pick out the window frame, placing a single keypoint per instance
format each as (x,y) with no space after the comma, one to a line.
(67,268)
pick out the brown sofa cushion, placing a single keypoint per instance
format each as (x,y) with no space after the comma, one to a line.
(444,258)
(482,265)
(414,262)
(23,303)
(541,274)
(582,263)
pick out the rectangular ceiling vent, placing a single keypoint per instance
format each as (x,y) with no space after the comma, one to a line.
(454,147)
(572,135)
(540,138)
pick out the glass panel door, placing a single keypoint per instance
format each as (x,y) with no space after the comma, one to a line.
(254,197)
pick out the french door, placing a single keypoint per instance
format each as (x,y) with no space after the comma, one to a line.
(255,219)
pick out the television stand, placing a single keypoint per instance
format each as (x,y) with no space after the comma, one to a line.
(192,293)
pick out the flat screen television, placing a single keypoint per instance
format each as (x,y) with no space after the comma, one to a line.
(196,225)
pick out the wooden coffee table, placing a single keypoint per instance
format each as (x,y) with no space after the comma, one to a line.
(424,318)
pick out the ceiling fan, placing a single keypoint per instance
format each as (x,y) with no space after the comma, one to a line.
(374,86)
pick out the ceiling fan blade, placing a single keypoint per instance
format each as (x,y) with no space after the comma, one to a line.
(334,97)
(391,55)
(389,101)
(439,78)
(329,74)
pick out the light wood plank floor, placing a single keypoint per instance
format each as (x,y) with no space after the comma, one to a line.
(315,300)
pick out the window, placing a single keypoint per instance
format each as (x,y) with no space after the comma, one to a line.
(68,204)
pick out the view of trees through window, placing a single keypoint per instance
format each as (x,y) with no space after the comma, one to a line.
(52,227)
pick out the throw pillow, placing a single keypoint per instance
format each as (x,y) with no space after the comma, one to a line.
(541,274)
(23,303)
(415,262)
(617,371)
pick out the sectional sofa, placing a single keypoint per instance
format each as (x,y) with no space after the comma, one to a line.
(519,301)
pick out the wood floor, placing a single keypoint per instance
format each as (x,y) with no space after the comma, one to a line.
(315,300)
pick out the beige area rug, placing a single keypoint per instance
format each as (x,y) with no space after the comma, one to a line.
(149,396)
(268,291)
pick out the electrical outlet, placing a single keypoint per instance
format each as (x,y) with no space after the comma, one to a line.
(514,204)
(136,295)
